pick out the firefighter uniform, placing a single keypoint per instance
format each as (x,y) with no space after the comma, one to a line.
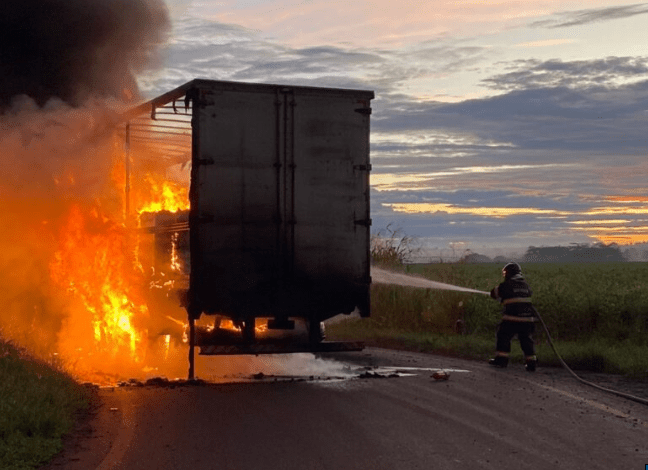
(518,317)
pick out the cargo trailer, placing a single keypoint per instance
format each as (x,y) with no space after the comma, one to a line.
(278,225)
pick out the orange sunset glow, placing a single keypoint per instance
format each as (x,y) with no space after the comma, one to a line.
(497,212)
(619,231)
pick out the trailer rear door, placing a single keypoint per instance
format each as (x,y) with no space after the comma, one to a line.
(279,196)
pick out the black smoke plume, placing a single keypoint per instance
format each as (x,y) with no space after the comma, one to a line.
(59,59)
(77,49)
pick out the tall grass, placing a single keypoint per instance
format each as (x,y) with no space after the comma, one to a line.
(596,312)
(37,406)
(579,301)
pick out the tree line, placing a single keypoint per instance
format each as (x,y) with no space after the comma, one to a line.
(574,253)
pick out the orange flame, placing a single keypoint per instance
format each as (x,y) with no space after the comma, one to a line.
(175,259)
(93,265)
(73,287)
(162,195)
(98,265)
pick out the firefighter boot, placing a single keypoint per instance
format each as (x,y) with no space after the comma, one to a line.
(531,363)
(499,361)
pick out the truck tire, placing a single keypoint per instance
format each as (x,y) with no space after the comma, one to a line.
(316,332)
(248,331)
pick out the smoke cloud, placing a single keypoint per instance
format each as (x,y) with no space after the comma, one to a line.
(68,69)
(76,49)
(50,159)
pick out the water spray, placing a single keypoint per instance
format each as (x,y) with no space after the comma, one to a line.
(382,276)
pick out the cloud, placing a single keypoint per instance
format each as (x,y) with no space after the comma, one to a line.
(577,74)
(535,159)
(546,43)
(312,62)
(368,24)
(478,216)
(602,118)
(594,15)
(219,51)
(489,212)
(211,49)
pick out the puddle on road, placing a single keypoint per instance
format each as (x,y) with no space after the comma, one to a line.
(422,369)
(305,368)
(352,373)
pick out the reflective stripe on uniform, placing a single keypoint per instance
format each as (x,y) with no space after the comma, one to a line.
(519,319)
(516,300)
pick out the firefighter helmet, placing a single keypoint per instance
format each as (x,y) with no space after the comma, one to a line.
(511,269)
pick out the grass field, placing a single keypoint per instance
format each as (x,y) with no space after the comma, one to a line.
(597,314)
(37,406)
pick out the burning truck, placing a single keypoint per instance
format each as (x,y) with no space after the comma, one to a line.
(271,226)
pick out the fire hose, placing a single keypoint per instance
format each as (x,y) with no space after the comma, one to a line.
(628,396)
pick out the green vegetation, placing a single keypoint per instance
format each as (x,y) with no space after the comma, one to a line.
(597,314)
(391,247)
(37,406)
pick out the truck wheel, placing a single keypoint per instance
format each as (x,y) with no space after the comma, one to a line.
(248,331)
(316,332)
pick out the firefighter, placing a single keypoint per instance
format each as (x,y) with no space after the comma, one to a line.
(518,317)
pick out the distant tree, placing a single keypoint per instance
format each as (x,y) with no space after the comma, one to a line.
(578,253)
(471,258)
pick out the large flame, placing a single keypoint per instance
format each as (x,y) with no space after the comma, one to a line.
(93,266)
(97,262)
(162,195)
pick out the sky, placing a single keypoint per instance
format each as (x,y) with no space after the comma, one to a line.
(497,125)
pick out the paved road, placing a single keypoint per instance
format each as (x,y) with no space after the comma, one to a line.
(377,418)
